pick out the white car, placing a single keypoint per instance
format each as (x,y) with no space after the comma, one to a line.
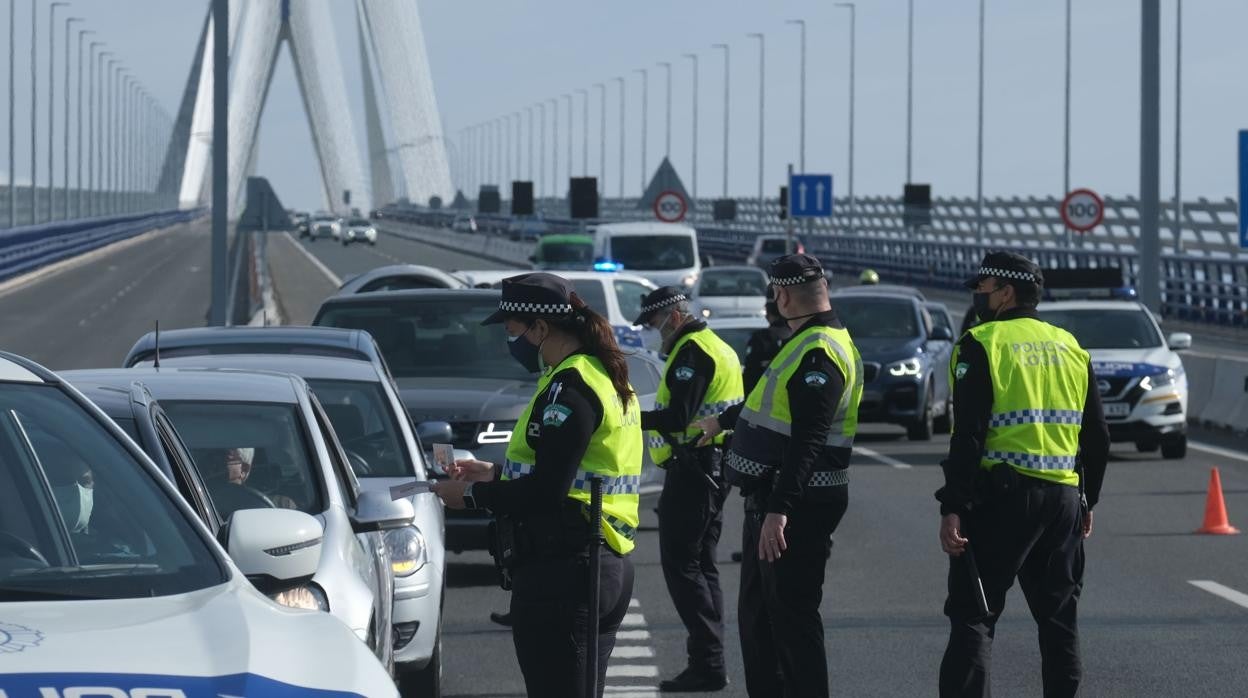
(665,253)
(616,296)
(1139,375)
(464,224)
(358,230)
(767,248)
(111,586)
(730,292)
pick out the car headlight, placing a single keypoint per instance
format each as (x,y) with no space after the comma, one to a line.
(407,550)
(309,597)
(496,433)
(371,232)
(706,312)
(689,280)
(1159,380)
(907,367)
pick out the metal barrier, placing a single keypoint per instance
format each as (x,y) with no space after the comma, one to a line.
(28,248)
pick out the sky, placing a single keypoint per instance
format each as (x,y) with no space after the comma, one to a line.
(491,58)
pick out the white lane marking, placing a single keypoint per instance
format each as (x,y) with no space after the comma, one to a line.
(886,460)
(1218,450)
(632,635)
(333,278)
(1236,597)
(632,620)
(637,671)
(632,652)
(631,692)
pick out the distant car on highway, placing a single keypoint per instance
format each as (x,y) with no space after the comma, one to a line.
(299,221)
(665,253)
(730,291)
(323,225)
(451,369)
(877,289)
(564,252)
(464,224)
(400,277)
(261,440)
(527,228)
(767,248)
(905,361)
(358,230)
(98,544)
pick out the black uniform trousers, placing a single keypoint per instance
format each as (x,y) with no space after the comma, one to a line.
(691,518)
(1034,533)
(549,616)
(778,607)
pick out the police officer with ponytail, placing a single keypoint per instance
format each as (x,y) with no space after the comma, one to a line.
(584,421)
(790,455)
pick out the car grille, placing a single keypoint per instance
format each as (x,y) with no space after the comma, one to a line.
(870,371)
(1113,386)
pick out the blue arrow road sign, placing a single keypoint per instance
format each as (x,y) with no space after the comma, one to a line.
(810,196)
(1243,189)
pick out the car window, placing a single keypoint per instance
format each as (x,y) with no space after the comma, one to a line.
(81,517)
(1106,329)
(732,282)
(366,429)
(878,318)
(643,375)
(591,291)
(344,474)
(629,295)
(250,455)
(183,467)
(940,318)
(653,252)
(774,246)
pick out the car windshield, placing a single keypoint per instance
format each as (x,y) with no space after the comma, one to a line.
(435,337)
(80,517)
(1106,329)
(576,254)
(735,282)
(652,252)
(250,455)
(777,245)
(877,318)
(357,411)
(359,222)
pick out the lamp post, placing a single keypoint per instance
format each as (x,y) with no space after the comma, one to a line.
(584,131)
(667,147)
(69,22)
(602,140)
(52,95)
(645,104)
(727,82)
(909,91)
(852,52)
(530,111)
(979,136)
(78,138)
(541,151)
(622,92)
(762,100)
(554,144)
(12,115)
(93,112)
(694,194)
(1178,124)
(1066,126)
(570,134)
(801,129)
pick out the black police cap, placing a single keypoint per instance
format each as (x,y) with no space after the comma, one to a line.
(535,295)
(1008,266)
(657,300)
(794,269)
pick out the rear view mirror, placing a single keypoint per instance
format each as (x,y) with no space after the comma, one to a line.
(276,549)
(376,511)
(1179,341)
(431,433)
(464,454)
(942,334)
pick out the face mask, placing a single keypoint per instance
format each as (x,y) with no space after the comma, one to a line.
(982,309)
(525,352)
(663,326)
(75,502)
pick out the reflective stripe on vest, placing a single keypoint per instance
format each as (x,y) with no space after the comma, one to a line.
(724,391)
(614,452)
(1039,379)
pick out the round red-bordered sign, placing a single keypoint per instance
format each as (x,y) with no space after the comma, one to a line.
(670,207)
(1082,210)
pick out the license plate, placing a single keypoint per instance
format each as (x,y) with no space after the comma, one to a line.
(1117,409)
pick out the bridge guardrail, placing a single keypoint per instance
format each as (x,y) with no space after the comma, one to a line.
(27,248)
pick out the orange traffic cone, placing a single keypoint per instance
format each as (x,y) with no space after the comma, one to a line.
(1216,522)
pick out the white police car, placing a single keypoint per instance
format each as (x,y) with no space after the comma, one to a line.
(1140,376)
(111,586)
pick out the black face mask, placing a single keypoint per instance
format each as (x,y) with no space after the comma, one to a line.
(980,302)
(525,352)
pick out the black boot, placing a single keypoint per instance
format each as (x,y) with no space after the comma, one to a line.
(694,681)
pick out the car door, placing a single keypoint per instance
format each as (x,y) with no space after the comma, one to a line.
(185,474)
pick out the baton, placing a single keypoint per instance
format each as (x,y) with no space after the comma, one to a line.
(595,583)
(977,583)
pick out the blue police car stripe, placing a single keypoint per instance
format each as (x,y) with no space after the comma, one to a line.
(250,685)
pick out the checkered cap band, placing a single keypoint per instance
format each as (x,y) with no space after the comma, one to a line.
(535,308)
(1008,274)
(670,300)
(792,280)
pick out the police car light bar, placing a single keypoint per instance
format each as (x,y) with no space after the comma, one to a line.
(1103,282)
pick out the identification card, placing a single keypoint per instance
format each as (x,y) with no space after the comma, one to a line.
(444,456)
(408,489)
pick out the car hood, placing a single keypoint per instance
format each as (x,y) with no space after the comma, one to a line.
(465,399)
(723,306)
(886,350)
(1132,362)
(224,640)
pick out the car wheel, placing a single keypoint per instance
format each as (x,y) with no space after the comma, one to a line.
(922,428)
(1147,446)
(1175,448)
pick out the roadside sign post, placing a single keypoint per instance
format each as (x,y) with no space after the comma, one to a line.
(1082,210)
(670,207)
(810,196)
(788,220)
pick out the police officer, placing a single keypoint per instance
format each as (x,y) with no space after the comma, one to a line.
(1027,414)
(763,345)
(702,378)
(583,421)
(790,454)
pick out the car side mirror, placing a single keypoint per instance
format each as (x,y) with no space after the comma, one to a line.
(941,334)
(277,549)
(431,433)
(376,511)
(1179,341)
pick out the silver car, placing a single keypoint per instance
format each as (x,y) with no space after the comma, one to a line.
(262,440)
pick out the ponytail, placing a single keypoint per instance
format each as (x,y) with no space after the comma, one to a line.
(596,335)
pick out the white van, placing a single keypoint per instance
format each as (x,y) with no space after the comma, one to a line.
(664,253)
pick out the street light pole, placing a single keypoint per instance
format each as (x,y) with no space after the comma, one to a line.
(541,151)
(1178,125)
(1066,127)
(69,22)
(584,131)
(762,101)
(570,134)
(853,12)
(602,140)
(530,111)
(12,115)
(52,96)
(693,195)
(622,85)
(645,104)
(93,112)
(727,81)
(519,138)
(801,23)
(979,158)
(1150,156)
(667,148)
(910,92)
(554,144)
(78,126)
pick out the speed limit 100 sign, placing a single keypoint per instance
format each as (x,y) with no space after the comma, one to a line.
(1083,210)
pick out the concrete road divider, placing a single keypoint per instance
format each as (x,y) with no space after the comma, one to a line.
(1217,390)
(514,253)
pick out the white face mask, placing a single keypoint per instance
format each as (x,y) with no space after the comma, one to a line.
(75,499)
